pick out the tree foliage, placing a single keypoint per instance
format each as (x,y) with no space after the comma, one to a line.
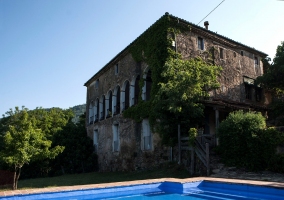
(179,98)
(246,142)
(274,72)
(177,85)
(78,155)
(24,141)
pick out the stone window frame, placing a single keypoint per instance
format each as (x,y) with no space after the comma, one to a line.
(96,110)
(256,61)
(109,104)
(91,112)
(222,53)
(242,53)
(116,69)
(200,43)
(124,93)
(115,137)
(102,107)
(146,89)
(97,83)
(116,100)
(135,90)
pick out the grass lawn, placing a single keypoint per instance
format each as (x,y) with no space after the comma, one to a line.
(167,171)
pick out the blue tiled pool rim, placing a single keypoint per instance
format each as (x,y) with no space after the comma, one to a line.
(168,186)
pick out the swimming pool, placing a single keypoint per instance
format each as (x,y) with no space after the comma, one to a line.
(164,190)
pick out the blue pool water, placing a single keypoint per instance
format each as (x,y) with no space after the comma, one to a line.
(165,190)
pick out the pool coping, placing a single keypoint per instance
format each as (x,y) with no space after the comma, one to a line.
(138,182)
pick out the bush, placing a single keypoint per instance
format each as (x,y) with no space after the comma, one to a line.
(245,141)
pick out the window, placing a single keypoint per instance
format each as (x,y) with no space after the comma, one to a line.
(91,113)
(146,90)
(255,61)
(109,105)
(115,130)
(125,95)
(221,53)
(248,91)
(235,55)
(97,84)
(136,91)
(200,43)
(102,107)
(97,110)
(95,141)
(116,69)
(116,107)
(258,93)
(242,53)
(146,135)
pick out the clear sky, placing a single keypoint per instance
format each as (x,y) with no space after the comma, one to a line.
(50,48)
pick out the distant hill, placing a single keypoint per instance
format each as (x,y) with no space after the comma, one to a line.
(78,111)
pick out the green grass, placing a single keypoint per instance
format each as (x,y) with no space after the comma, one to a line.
(167,171)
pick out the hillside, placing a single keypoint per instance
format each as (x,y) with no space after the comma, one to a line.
(78,110)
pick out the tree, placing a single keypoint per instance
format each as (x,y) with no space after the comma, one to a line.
(78,155)
(246,142)
(185,83)
(24,142)
(272,79)
(274,73)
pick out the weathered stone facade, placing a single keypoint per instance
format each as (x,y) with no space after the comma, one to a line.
(123,144)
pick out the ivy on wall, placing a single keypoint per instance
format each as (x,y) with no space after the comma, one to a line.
(155,47)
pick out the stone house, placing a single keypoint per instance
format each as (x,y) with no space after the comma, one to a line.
(122,143)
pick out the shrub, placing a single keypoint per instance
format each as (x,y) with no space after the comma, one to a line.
(245,141)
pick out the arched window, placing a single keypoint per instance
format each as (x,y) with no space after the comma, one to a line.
(147,85)
(109,104)
(102,107)
(135,91)
(91,113)
(97,110)
(116,101)
(125,95)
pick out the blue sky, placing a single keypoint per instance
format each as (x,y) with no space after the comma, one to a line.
(50,48)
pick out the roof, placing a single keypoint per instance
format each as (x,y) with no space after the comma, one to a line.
(186,23)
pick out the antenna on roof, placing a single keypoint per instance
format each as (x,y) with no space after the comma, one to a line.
(211,11)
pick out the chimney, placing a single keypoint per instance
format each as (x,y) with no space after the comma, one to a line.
(206,23)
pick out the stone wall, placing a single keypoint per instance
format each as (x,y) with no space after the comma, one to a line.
(130,155)
(237,62)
